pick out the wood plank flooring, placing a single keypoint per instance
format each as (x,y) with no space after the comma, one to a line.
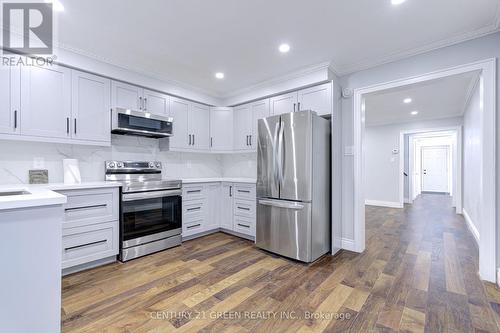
(418,274)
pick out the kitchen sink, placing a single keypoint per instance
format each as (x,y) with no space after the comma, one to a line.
(9,193)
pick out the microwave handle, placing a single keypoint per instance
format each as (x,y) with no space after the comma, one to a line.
(150,195)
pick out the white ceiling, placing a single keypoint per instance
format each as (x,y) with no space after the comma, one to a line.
(434,99)
(189,40)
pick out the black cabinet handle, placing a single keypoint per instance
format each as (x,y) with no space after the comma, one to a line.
(193,191)
(193,226)
(244,191)
(211,142)
(67,125)
(230,191)
(193,209)
(84,245)
(75,126)
(244,208)
(250,140)
(15,118)
(244,225)
(193,139)
(189,140)
(84,207)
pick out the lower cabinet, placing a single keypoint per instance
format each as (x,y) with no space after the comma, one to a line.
(213,206)
(90,230)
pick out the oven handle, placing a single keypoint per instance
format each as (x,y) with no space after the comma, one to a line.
(150,195)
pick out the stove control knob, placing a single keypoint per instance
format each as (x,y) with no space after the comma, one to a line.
(120,164)
(151,165)
(158,165)
(111,165)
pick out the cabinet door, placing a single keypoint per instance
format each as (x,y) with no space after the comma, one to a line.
(318,98)
(221,134)
(213,199)
(260,110)
(156,102)
(242,127)
(10,97)
(199,126)
(226,208)
(91,107)
(284,103)
(46,101)
(126,96)
(179,110)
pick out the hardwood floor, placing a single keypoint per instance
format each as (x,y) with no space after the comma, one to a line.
(418,274)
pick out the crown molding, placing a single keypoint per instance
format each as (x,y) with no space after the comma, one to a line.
(343,70)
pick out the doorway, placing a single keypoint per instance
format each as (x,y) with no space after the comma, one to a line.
(435,169)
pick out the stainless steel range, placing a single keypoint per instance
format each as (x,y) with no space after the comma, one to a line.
(150,208)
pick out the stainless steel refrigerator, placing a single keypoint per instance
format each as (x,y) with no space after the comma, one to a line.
(293,185)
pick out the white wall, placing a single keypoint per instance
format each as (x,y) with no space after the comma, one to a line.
(472,158)
(381,166)
(239,165)
(474,50)
(17,158)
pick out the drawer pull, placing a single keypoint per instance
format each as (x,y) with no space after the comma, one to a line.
(244,191)
(193,209)
(193,191)
(243,208)
(244,225)
(84,207)
(84,245)
(193,226)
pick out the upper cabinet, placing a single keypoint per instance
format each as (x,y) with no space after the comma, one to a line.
(285,103)
(128,96)
(10,97)
(190,125)
(46,101)
(242,127)
(317,98)
(260,110)
(90,107)
(221,135)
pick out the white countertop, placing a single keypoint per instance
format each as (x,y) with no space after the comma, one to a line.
(37,197)
(220,179)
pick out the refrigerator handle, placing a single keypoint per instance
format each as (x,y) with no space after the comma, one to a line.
(275,152)
(280,163)
(281,204)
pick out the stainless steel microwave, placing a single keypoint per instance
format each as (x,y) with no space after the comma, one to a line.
(128,122)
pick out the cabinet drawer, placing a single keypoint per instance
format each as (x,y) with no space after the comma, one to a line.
(244,225)
(193,226)
(245,192)
(88,243)
(86,207)
(244,208)
(193,209)
(193,192)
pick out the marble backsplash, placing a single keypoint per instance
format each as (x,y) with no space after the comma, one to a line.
(239,165)
(17,157)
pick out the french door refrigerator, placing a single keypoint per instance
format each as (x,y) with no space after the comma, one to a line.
(293,185)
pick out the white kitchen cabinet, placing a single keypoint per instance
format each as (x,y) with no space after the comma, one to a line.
(260,110)
(127,96)
(46,101)
(214,207)
(179,110)
(242,127)
(317,98)
(285,103)
(226,204)
(199,126)
(156,103)
(10,97)
(221,123)
(90,107)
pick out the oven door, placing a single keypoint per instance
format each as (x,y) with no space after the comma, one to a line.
(149,216)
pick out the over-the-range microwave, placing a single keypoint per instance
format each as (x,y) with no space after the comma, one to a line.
(129,122)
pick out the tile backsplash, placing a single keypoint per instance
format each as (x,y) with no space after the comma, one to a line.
(17,157)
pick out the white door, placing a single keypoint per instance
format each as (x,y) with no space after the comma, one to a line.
(242,127)
(126,96)
(260,110)
(10,97)
(213,198)
(179,110)
(435,169)
(199,126)
(46,101)
(226,206)
(221,134)
(156,102)
(318,98)
(91,98)
(284,103)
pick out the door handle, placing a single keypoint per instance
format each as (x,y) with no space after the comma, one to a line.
(211,142)
(75,125)
(230,191)
(67,125)
(281,204)
(15,119)
(189,144)
(193,139)
(250,140)
(280,154)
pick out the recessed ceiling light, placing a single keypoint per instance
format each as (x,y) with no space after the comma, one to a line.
(284,48)
(397,2)
(414,113)
(219,75)
(407,100)
(56,5)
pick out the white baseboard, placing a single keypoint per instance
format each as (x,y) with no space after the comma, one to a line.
(348,244)
(498,277)
(378,203)
(407,201)
(471,226)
